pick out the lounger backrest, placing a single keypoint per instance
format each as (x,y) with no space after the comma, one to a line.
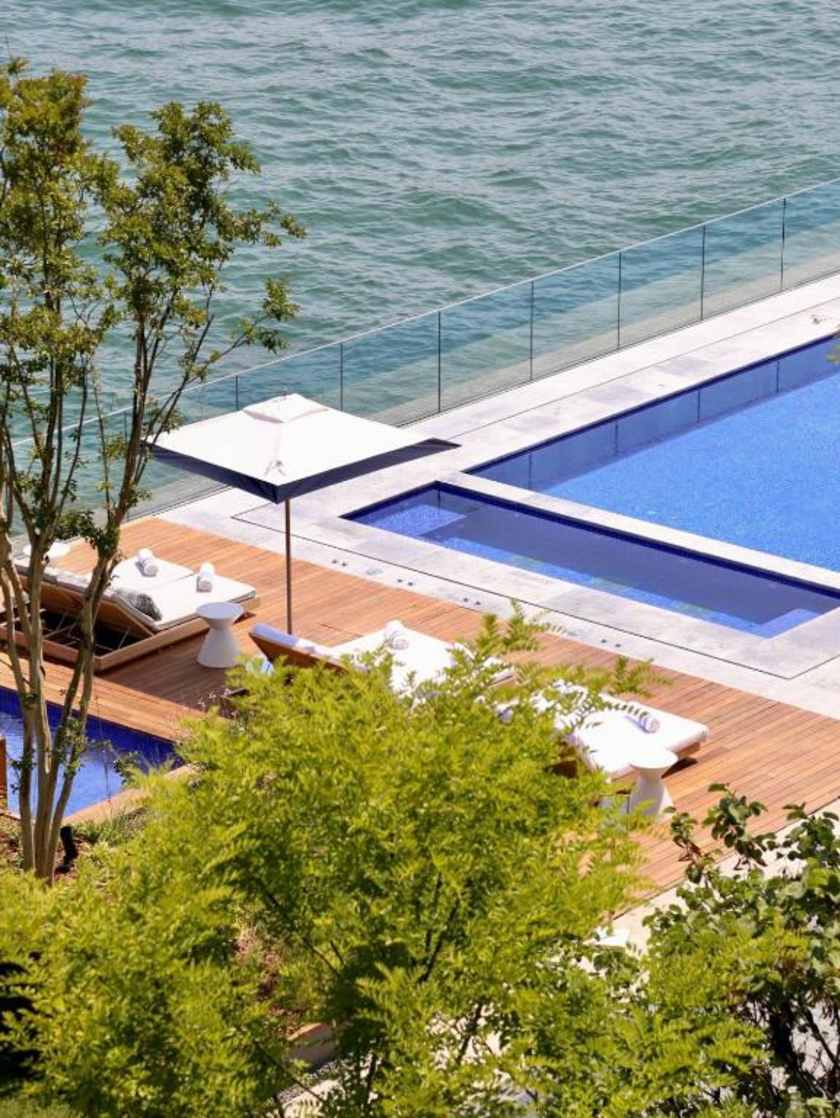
(303,654)
(59,599)
(118,614)
(64,593)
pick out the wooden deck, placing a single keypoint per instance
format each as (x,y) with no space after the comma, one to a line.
(766,750)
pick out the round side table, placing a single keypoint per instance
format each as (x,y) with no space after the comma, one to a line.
(220,648)
(649,792)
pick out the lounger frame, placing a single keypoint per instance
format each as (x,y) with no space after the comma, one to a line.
(300,658)
(128,636)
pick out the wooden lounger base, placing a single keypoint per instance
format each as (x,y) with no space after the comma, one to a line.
(115,649)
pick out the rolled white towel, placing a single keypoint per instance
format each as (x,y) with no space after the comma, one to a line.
(204,578)
(395,635)
(649,722)
(147,564)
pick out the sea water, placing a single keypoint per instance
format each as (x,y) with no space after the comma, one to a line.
(438,148)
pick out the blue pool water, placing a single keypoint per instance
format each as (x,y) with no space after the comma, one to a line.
(673,579)
(99,775)
(751,458)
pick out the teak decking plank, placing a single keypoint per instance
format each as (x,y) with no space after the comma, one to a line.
(765,749)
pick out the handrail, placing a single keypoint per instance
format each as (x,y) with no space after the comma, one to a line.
(410,377)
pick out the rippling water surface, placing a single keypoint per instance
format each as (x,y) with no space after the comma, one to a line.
(438,149)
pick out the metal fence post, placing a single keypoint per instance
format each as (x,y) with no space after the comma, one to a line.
(531,339)
(439,366)
(618,308)
(782,253)
(341,376)
(703,272)
(236,390)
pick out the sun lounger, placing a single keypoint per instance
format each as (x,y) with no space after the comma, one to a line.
(607,739)
(612,738)
(137,614)
(417,658)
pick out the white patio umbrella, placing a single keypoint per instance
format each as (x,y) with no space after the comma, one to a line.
(287,446)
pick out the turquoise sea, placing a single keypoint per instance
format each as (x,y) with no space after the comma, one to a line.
(439,148)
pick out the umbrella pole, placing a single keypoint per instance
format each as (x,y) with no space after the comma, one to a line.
(289,628)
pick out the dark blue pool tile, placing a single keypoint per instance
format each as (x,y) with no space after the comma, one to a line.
(417,520)
(736,392)
(649,425)
(747,458)
(563,458)
(805,366)
(98,777)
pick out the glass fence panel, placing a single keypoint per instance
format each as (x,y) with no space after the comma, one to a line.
(743,258)
(437,361)
(203,401)
(485,345)
(660,285)
(575,315)
(812,234)
(314,373)
(392,374)
(165,486)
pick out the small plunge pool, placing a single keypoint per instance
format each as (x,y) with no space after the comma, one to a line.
(100,773)
(690,583)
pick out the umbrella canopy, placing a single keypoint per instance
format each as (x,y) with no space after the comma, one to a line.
(287,446)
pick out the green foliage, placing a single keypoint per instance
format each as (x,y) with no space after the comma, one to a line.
(142,1004)
(435,890)
(410,868)
(19,1107)
(768,929)
(113,830)
(15,1062)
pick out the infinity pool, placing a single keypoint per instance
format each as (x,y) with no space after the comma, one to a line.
(752,458)
(99,776)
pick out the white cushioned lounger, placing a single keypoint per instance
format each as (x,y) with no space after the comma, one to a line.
(178,600)
(608,739)
(270,635)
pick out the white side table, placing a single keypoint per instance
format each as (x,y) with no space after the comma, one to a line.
(220,648)
(649,792)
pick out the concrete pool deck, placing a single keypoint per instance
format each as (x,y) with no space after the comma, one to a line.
(801,667)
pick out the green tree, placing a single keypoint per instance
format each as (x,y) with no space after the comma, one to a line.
(435,887)
(423,875)
(142,998)
(95,252)
(609,1033)
(768,928)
